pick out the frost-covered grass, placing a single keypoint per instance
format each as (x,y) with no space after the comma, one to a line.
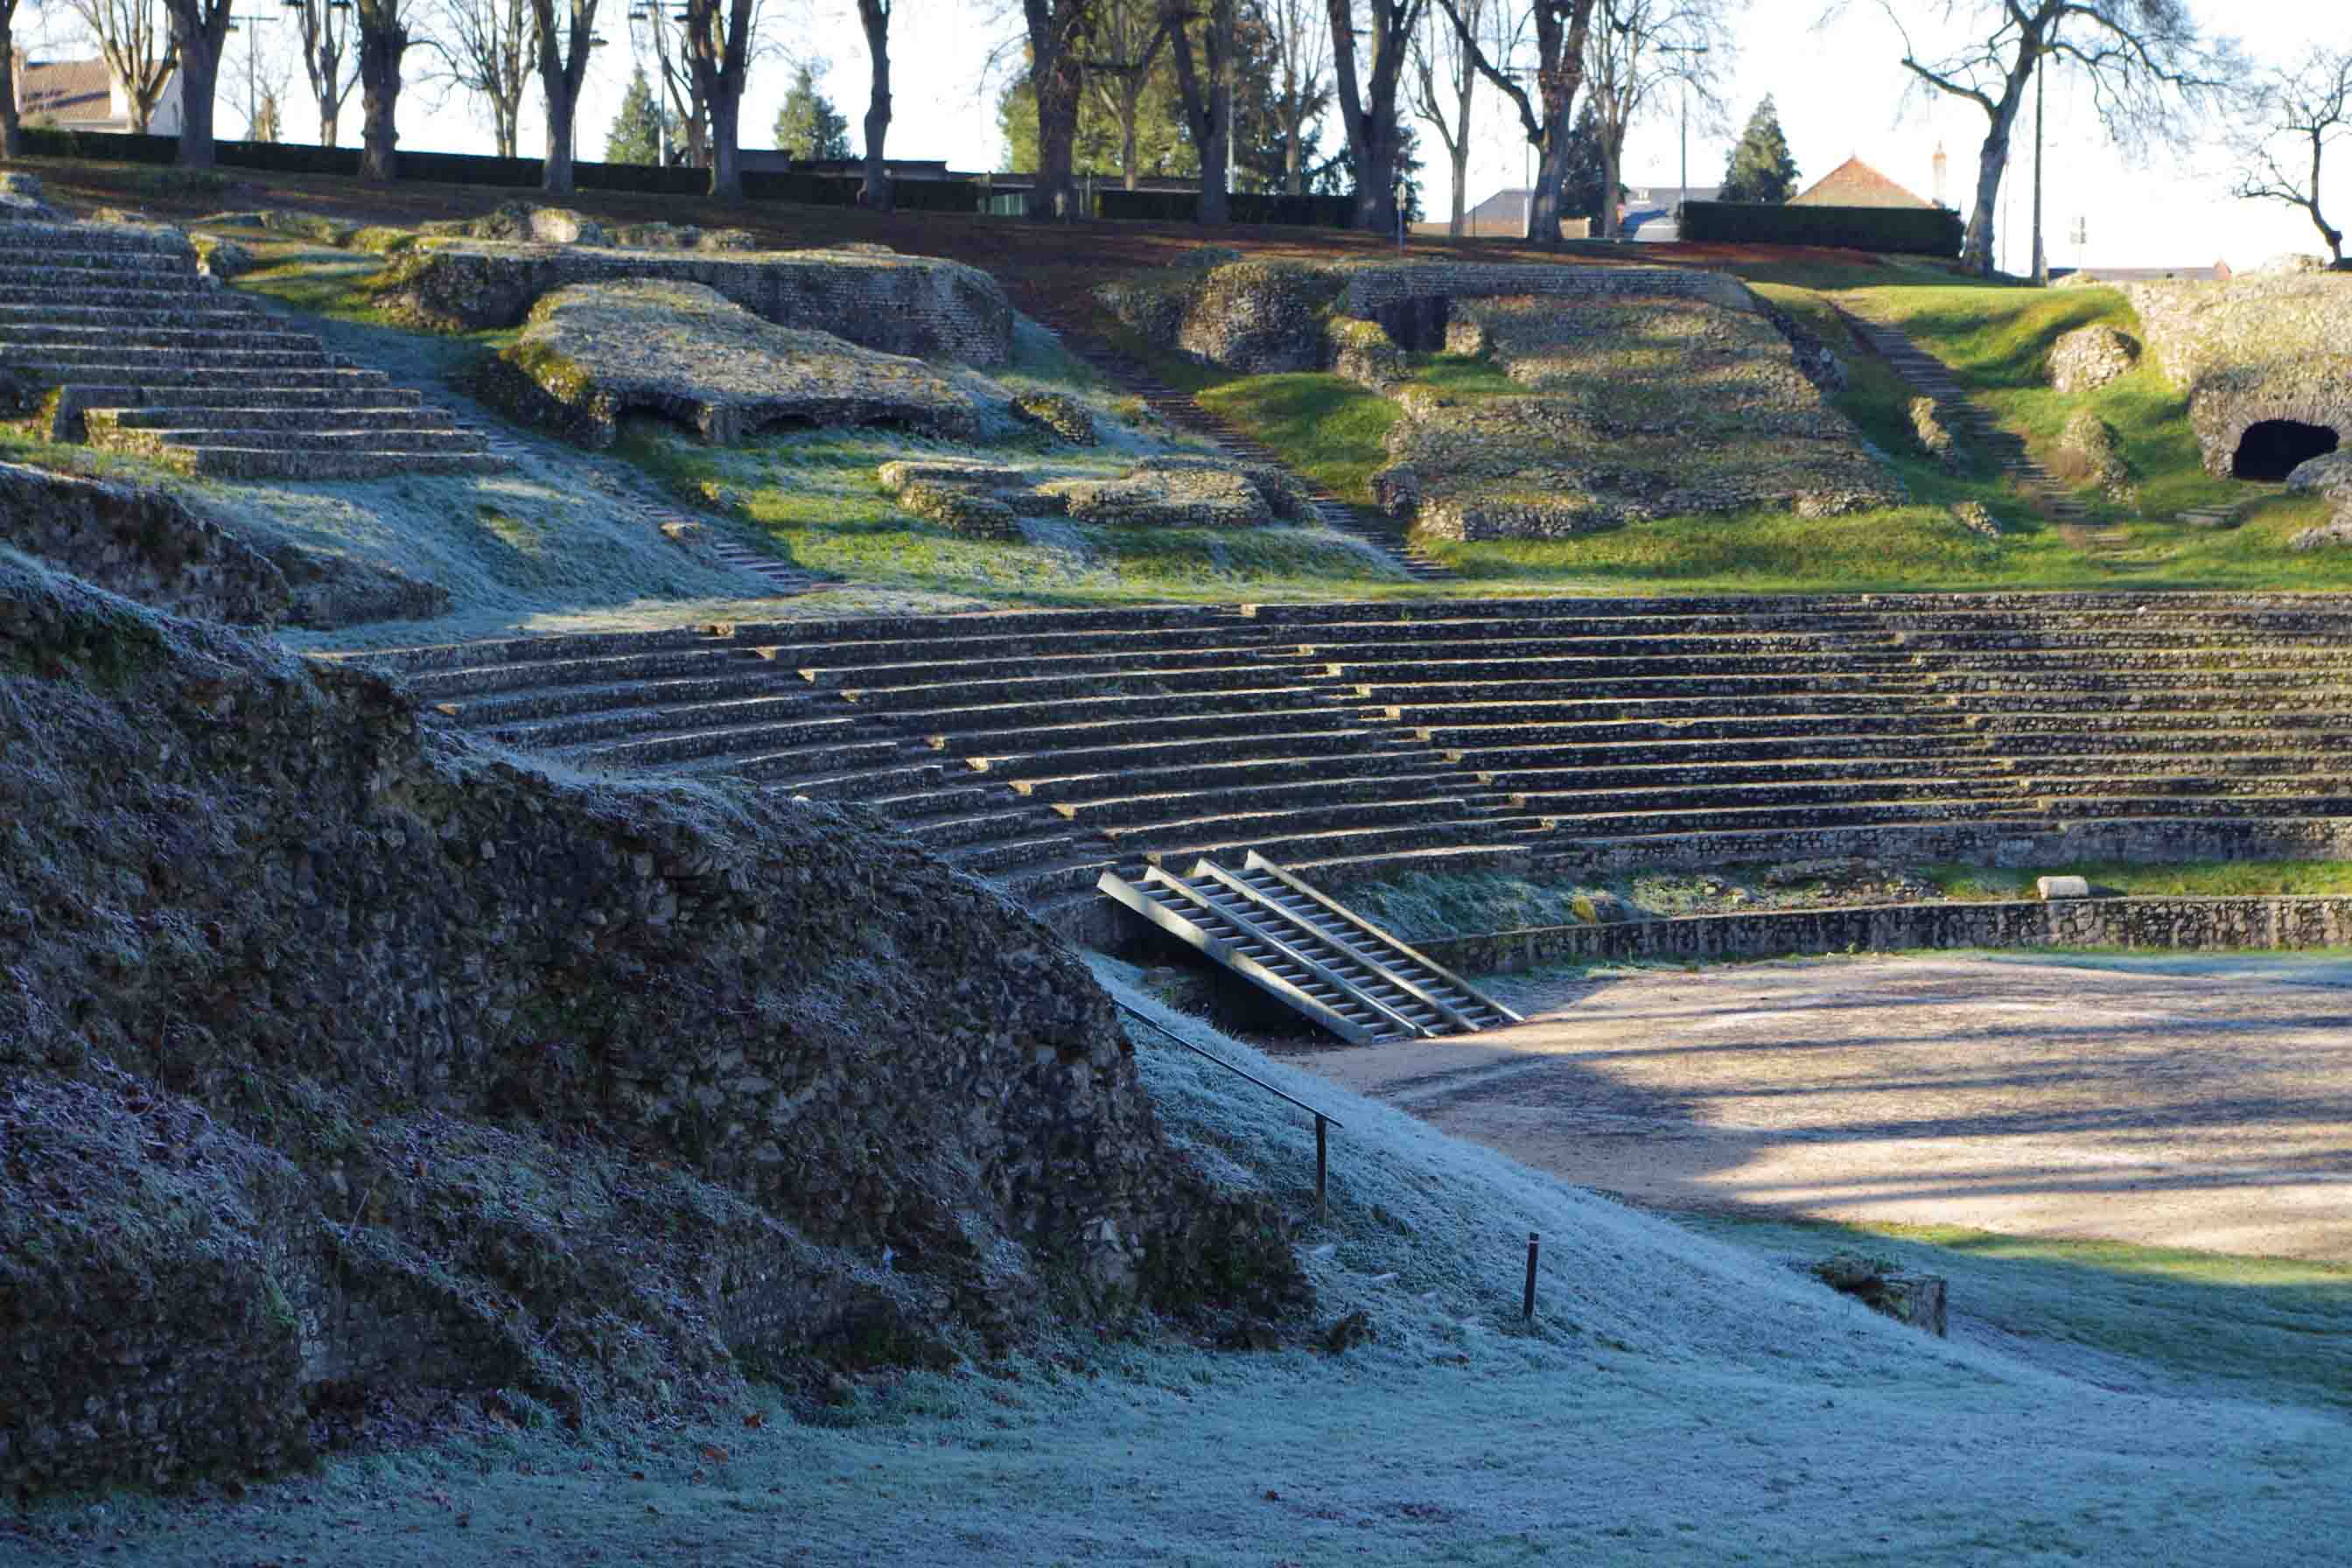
(2206,877)
(1684,1396)
(813,496)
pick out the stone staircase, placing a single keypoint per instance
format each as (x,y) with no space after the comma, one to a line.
(1038,750)
(154,358)
(1383,533)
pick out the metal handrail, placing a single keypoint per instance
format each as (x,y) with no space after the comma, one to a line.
(1323,1120)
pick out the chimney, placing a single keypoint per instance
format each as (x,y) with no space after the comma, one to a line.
(1941,164)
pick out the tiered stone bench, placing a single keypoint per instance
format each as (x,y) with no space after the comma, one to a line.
(1347,741)
(154,358)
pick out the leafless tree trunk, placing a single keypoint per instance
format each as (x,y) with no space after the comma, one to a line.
(1546,115)
(383,26)
(2292,117)
(12,130)
(1444,81)
(200,33)
(489,49)
(2148,65)
(1637,46)
(1368,99)
(718,52)
(139,46)
(1208,106)
(1301,32)
(324,41)
(1059,31)
(563,65)
(874,193)
(1129,36)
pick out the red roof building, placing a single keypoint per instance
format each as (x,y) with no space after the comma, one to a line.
(1854,183)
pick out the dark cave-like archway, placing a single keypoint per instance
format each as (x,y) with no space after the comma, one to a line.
(2270,450)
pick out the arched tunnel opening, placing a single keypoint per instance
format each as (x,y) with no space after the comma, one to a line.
(1416,324)
(2270,450)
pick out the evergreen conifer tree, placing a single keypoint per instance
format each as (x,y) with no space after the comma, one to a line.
(808,126)
(1761,168)
(636,133)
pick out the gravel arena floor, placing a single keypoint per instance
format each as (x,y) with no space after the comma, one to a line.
(2202,1104)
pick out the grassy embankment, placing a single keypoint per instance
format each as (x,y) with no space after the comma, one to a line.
(1685,1394)
(1994,337)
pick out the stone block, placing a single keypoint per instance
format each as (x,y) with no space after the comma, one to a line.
(2048,888)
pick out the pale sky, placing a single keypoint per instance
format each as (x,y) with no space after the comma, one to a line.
(1841,91)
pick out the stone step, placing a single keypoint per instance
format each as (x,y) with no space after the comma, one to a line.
(1020,853)
(1241,673)
(1208,824)
(31,262)
(246,333)
(1165,727)
(409,435)
(131,362)
(1792,737)
(1756,688)
(1338,872)
(394,412)
(268,463)
(2007,729)
(1052,762)
(1184,772)
(1635,823)
(156,291)
(1730,796)
(38,236)
(957,828)
(1999,707)
(853,772)
(2156,763)
(124,385)
(1710,636)
(664,747)
(1451,719)
(945,727)
(751,677)
(1773,771)
(181,312)
(2314,782)
(1145,806)
(1291,849)
(1414,670)
(583,729)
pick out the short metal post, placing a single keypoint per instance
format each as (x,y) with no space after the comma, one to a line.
(1322,1151)
(1527,1304)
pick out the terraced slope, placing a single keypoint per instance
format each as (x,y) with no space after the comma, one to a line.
(1354,740)
(156,359)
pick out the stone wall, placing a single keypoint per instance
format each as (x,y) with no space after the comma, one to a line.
(148,545)
(900,304)
(339,1055)
(2250,350)
(2157,923)
(2152,841)
(1371,286)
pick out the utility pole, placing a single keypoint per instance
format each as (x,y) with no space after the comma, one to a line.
(245,22)
(1682,74)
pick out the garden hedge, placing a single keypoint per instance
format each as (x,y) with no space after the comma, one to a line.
(1913,231)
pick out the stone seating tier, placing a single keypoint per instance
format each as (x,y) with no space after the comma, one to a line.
(1037,748)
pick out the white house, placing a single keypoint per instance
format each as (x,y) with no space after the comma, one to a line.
(82,95)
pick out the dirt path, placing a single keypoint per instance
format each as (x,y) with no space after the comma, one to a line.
(2211,1111)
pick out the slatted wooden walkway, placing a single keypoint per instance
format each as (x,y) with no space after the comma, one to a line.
(1309,951)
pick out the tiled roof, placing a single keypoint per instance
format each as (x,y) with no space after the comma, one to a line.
(70,89)
(1854,183)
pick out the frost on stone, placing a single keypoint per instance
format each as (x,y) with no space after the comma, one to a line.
(593,352)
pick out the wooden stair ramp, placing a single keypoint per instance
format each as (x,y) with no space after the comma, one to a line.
(1307,951)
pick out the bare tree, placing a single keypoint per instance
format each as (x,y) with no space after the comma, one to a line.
(200,36)
(2148,67)
(874,15)
(1301,32)
(1367,98)
(2290,117)
(1208,106)
(1561,28)
(562,66)
(136,41)
(681,97)
(1636,47)
(1060,32)
(383,38)
(1128,37)
(1443,82)
(326,37)
(487,48)
(718,52)
(12,130)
